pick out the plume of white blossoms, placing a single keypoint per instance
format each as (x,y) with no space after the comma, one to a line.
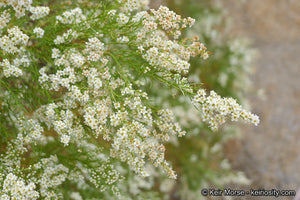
(85,107)
(215,109)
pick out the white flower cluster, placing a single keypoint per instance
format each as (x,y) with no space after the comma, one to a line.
(110,178)
(39,32)
(241,62)
(14,43)
(11,159)
(122,18)
(132,5)
(72,16)
(157,49)
(66,37)
(19,6)
(94,49)
(134,139)
(9,69)
(52,175)
(9,43)
(215,109)
(61,122)
(4,19)
(35,131)
(38,12)
(15,187)
(170,21)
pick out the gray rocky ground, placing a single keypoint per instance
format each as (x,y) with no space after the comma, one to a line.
(270,153)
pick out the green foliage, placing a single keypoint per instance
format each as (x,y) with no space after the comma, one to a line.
(91,92)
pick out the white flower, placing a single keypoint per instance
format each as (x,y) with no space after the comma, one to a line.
(65,139)
(75,196)
(39,32)
(123,39)
(55,53)
(122,19)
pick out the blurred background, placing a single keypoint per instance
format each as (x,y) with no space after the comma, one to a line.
(270,153)
(256,59)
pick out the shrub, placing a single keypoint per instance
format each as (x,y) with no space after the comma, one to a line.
(78,110)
